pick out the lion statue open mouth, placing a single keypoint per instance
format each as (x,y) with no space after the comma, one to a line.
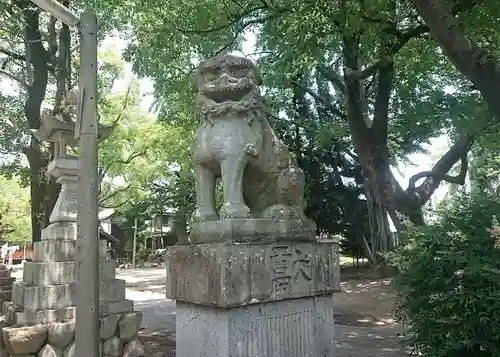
(236,143)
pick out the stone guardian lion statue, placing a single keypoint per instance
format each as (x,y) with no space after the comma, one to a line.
(235,142)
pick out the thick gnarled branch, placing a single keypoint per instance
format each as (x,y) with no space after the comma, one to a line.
(403,37)
(478,64)
(439,172)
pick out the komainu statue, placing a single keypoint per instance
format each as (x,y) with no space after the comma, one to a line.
(261,180)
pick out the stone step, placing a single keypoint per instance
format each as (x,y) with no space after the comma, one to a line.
(57,273)
(54,251)
(116,307)
(25,318)
(6,283)
(4,273)
(5,295)
(35,298)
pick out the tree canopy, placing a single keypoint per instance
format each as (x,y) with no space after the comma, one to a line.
(354,89)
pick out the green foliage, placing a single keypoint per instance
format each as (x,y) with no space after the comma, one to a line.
(38,65)
(15,220)
(293,38)
(143,254)
(449,285)
(484,169)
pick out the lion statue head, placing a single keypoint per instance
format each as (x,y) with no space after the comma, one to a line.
(227,84)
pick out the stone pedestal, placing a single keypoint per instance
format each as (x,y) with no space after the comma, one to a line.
(266,300)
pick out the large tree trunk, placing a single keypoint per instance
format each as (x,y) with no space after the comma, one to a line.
(38,58)
(37,187)
(384,194)
(477,64)
(40,61)
(380,235)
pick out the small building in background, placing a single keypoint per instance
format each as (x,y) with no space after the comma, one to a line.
(110,231)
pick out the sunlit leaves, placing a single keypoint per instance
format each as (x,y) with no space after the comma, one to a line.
(15,219)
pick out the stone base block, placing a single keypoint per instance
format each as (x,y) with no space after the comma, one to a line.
(228,275)
(291,328)
(6,283)
(118,337)
(56,273)
(54,251)
(252,230)
(16,316)
(5,296)
(46,297)
(60,230)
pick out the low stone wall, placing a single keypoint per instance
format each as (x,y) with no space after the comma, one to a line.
(118,334)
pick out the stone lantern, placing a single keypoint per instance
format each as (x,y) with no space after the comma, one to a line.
(45,299)
(64,167)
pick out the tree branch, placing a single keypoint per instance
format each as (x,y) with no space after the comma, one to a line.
(440,170)
(15,78)
(321,99)
(406,36)
(478,64)
(458,180)
(103,205)
(385,82)
(403,39)
(334,78)
(113,194)
(374,68)
(124,105)
(235,19)
(123,162)
(13,55)
(23,58)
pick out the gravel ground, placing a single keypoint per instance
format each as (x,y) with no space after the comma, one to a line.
(364,326)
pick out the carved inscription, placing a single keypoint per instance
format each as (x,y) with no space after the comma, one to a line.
(291,335)
(289,265)
(72,202)
(302,266)
(281,261)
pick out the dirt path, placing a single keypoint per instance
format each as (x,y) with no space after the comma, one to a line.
(364,326)
(363,318)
